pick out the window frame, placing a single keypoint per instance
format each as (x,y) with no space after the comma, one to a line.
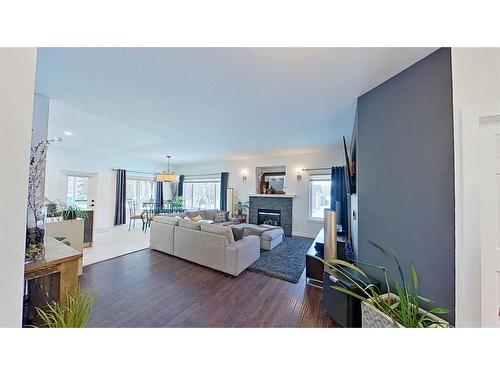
(138,179)
(202,181)
(313,178)
(74,177)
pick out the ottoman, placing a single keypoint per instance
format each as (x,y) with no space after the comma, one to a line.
(270,235)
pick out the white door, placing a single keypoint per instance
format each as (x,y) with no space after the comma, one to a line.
(81,190)
(490,220)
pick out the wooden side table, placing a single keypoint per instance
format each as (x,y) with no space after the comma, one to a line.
(241,217)
(59,259)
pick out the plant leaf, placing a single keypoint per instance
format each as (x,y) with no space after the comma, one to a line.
(414,276)
(333,262)
(439,310)
(349,292)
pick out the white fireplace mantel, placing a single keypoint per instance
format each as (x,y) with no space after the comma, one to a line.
(272,195)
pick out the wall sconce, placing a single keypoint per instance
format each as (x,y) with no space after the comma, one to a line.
(244,175)
(299,174)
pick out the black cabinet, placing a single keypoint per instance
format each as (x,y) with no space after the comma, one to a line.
(88,229)
(314,267)
(340,307)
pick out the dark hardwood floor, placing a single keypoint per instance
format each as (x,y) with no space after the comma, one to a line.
(152,289)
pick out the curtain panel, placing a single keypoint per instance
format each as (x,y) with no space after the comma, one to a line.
(224,178)
(159,194)
(121,197)
(180,186)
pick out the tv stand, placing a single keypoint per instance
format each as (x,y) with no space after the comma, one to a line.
(314,267)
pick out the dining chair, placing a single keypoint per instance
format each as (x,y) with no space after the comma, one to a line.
(147,217)
(133,215)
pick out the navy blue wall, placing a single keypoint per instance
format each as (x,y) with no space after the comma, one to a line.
(405,173)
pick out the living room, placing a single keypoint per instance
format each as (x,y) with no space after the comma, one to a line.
(258,187)
(287,194)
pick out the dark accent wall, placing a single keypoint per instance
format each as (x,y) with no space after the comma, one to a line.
(405,174)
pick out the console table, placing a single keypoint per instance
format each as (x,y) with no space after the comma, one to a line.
(314,267)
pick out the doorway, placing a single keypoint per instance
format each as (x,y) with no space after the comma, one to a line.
(477,180)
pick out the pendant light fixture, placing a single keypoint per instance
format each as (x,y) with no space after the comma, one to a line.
(167,176)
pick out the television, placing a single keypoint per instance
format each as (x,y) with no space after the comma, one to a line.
(350,171)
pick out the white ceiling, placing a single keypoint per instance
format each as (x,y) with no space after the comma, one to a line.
(201,104)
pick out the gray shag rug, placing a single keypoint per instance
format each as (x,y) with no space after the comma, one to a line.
(286,261)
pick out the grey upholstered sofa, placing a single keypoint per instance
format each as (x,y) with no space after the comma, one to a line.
(210,245)
(207,214)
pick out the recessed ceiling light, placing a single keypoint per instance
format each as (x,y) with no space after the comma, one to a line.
(68,133)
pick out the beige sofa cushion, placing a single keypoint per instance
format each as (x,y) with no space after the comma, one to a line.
(219,229)
(166,220)
(191,214)
(183,223)
(210,213)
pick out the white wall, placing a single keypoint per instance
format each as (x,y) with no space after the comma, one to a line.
(301,224)
(476,84)
(40,119)
(70,157)
(17,81)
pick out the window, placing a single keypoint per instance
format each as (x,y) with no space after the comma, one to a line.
(78,191)
(201,194)
(319,196)
(140,191)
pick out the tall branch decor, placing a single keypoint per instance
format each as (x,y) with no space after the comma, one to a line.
(35,231)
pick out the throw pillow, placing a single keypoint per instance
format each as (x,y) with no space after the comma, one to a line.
(238,233)
(196,218)
(227,216)
(219,229)
(188,224)
(220,217)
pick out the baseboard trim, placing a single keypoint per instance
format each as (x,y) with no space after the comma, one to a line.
(300,234)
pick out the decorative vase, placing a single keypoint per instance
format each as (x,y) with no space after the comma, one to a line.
(35,243)
(371,317)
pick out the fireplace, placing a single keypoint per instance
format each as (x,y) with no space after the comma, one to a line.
(268,216)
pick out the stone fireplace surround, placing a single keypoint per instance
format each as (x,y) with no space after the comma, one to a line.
(283,203)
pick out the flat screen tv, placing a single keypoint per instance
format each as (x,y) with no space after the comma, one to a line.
(350,172)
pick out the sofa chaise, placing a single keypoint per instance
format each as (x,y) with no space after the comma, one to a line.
(210,245)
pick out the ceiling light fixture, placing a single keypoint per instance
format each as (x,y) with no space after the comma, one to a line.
(67,133)
(167,176)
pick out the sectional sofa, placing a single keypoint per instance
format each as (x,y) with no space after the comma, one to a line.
(210,245)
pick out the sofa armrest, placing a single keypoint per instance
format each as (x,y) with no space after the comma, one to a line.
(241,254)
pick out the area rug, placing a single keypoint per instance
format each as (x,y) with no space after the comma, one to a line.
(286,261)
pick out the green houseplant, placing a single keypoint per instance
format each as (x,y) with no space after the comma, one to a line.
(241,206)
(76,313)
(71,212)
(400,306)
(177,203)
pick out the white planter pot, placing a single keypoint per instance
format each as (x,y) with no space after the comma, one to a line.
(374,318)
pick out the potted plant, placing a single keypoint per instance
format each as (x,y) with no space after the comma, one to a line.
(177,203)
(76,313)
(241,206)
(399,306)
(71,212)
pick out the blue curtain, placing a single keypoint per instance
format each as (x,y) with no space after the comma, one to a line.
(224,177)
(339,194)
(180,189)
(121,197)
(159,195)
